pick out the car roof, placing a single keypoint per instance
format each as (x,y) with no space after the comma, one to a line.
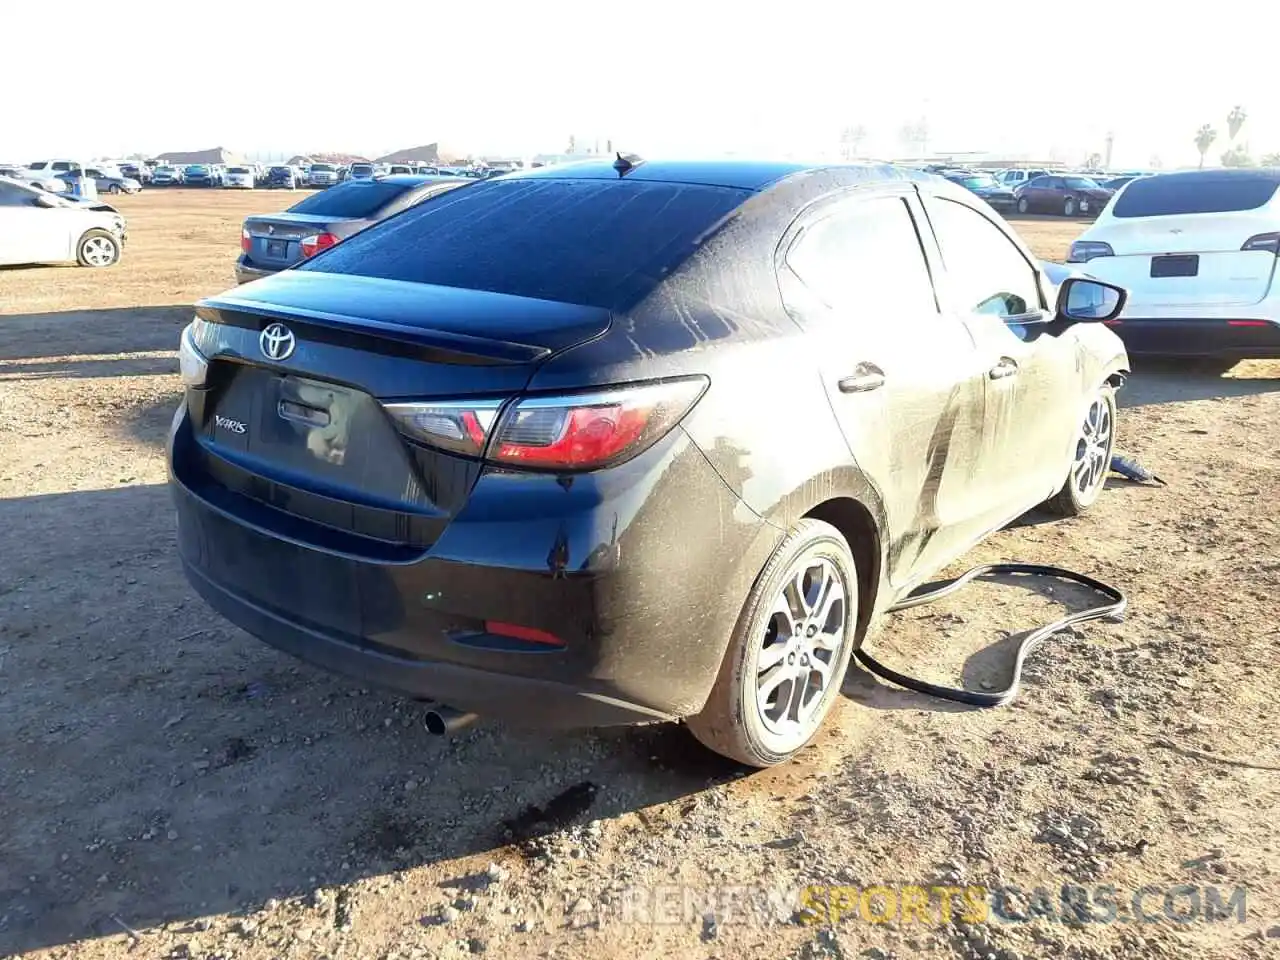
(753,175)
(415,179)
(1192,177)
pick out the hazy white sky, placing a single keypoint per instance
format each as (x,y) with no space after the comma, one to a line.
(658,77)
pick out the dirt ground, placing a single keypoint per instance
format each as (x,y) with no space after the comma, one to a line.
(171,787)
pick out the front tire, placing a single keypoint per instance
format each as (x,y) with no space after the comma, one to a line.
(98,248)
(1069,207)
(789,651)
(1023,205)
(1091,462)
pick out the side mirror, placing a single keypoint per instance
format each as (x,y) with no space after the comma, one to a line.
(1089,300)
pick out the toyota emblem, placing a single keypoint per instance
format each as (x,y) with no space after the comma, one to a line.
(277,342)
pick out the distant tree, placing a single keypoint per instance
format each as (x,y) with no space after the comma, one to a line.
(1156,163)
(573,144)
(1204,140)
(1237,157)
(1093,161)
(1271,160)
(1235,120)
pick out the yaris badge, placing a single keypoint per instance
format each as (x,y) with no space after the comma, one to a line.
(277,342)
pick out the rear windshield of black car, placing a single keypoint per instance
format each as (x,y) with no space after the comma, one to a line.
(356,198)
(593,242)
(1174,195)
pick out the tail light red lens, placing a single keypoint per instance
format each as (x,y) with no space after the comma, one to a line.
(1266,242)
(314,244)
(590,431)
(566,432)
(246,241)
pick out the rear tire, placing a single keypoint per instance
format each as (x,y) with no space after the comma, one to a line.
(1091,462)
(114,189)
(799,621)
(98,248)
(1069,207)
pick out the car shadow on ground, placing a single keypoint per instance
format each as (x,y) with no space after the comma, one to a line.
(1153,383)
(128,341)
(161,766)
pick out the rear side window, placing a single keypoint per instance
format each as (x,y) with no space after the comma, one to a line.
(603,243)
(1203,193)
(866,260)
(986,272)
(360,198)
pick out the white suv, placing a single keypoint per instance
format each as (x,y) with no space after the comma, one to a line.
(1197,251)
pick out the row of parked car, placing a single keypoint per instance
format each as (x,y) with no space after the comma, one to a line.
(58,176)
(1040,191)
(290,176)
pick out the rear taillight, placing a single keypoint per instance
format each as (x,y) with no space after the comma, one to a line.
(1082,251)
(566,432)
(461,427)
(1266,242)
(246,241)
(589,431)
(316,242)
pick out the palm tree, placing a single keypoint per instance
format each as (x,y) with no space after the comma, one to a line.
(1235,120)
(1204,140)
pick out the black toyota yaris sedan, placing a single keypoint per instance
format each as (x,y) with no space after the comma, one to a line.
(621,443)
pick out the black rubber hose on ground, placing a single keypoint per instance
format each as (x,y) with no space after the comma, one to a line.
(1113,609)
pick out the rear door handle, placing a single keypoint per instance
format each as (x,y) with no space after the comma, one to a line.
(1007,367)
(866,377)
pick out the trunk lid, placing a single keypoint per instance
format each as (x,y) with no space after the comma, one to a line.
(308,435)
(275,240)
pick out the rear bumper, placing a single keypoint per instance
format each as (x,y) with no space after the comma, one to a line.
(1239,338)
(531,701)
(641,578)
(246,273)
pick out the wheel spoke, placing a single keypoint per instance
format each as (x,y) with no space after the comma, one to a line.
(1082,474)
(771,679)
(799,684)
(829,640)
(833,593)
(771,655)
(792,600)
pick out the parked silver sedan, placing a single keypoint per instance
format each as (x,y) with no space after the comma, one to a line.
(106,181)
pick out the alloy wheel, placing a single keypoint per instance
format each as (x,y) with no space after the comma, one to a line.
(803,639)
(99,251)
(1093,450)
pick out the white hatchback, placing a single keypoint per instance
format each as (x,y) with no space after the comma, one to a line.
(39,227)
(1197,251)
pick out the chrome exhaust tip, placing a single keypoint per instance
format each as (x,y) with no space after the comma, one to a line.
(441,720)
